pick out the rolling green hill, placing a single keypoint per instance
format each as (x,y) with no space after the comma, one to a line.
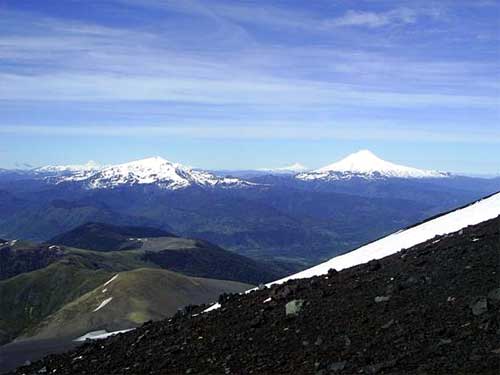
(149,247)
(30,297)
(45,288)
(129,299)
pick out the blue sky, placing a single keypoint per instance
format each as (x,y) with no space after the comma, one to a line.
(250,84)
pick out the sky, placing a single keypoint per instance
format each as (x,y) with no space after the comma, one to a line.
(250,84)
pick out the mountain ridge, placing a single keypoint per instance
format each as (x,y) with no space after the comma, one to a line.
(152,171)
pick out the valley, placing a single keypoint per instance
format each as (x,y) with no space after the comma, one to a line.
(432,308)
(95,250)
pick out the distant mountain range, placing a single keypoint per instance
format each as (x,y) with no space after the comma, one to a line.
(170,175)
(292,219)
(289,169)
(173,176)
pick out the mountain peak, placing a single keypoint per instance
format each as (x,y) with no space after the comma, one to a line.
(366,164)
(151,162)
(153,170)
(361,161)
(292,168)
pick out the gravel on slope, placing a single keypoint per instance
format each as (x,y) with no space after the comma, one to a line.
(431,309)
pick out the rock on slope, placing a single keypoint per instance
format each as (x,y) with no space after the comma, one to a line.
(430,309)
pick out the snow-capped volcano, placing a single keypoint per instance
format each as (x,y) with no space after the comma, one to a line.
(293,168)
(157,171)
(365,164)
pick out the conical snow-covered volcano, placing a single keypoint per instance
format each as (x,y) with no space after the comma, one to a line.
(365,164)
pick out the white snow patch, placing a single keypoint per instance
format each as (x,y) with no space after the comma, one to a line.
(97,335)
(13,242)
(215,306)
(293,168)
(89,166)
(475,239)
(267,300)
(478,212)
(103,303)
(110,280)
(105,290)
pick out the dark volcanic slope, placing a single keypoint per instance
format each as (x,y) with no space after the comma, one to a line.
(432,309)
(106,237)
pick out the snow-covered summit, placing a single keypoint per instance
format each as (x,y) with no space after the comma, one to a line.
(478,212)
(366,164)
(89,166)
(76,172)
(293,168)
(157,171)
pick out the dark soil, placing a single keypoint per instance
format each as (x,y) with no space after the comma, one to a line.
(433,309)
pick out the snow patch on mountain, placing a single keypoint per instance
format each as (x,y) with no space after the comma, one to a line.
(365,164)
(478,212)
(293,168)
(89,166)
(215,306)
(110,280)
(103,303)
(58,173)
(102,334)
(155,170)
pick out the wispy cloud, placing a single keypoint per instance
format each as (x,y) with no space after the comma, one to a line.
(373,19)
(264,131)
(254,90)
(87,62)
(274,59)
